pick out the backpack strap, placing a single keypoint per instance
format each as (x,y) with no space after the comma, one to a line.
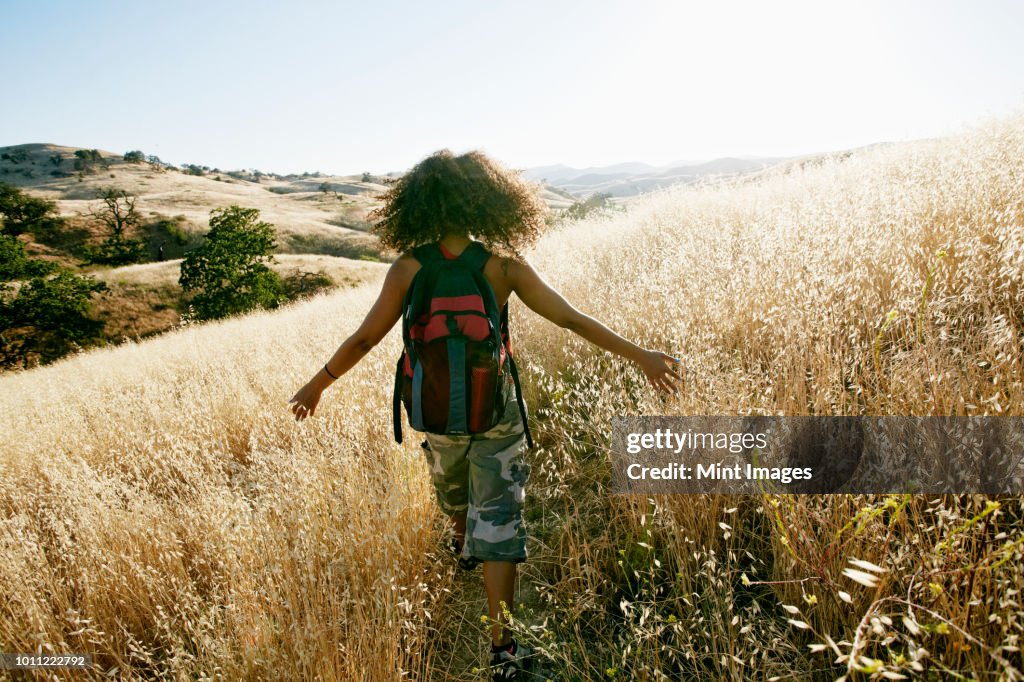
(475,255)
(519,399)
(396,400)
(505,338)
(427,253)
(515,375)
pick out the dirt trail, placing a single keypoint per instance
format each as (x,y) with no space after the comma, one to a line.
(463,644)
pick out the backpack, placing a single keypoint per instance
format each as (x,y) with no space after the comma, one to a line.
(453,375)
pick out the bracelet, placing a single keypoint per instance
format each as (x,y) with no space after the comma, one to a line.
(329,372)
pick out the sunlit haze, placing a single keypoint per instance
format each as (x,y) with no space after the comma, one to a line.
(346,87)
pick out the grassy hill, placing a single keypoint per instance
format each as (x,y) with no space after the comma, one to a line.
(317,213)
(321,222)
(308,220)
(163,511)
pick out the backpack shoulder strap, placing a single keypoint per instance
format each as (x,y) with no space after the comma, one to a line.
(475,255)
(396,401)
(504,327)
(427,253)
(507,340)
(520,401)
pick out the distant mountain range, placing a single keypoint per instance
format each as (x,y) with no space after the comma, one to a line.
(632,178)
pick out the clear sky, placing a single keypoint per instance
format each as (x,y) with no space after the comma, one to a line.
(377,85)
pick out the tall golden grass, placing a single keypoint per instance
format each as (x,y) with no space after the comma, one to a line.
(888,282)
(160,509)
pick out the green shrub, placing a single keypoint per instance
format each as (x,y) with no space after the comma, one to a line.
(23,213)
(15,263)
(17,156)
(47,318)
(175,231)
(87,159)
(229,271)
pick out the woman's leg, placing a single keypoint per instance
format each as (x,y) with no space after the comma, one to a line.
(500,585)
(459,525)
(495,533)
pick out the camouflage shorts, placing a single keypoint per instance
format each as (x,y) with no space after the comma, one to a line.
(484,476)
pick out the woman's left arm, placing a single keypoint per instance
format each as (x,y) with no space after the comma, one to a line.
(378,322)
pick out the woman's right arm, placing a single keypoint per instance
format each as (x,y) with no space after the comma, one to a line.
(382,317)
(544,300)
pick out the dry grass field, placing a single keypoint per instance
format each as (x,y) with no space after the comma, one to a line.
(160,509)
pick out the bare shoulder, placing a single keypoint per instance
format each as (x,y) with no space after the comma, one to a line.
(405,261)
(511,268)
(405,266)
(401,272)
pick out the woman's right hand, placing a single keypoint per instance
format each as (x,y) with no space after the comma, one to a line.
(304,402)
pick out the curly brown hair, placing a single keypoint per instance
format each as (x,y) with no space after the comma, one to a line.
(471,195)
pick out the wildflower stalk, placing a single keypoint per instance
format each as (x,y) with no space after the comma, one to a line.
(939,255)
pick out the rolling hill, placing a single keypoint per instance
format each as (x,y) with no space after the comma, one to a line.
(321,222)
(631,179)
(331,220)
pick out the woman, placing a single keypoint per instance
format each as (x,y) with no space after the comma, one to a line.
(447,200)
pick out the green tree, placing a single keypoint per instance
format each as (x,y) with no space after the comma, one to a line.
(46,314)
(15,263)
(135,156)
(87,159)
(229,270)
(24,213)
(117,212)
(46,318)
